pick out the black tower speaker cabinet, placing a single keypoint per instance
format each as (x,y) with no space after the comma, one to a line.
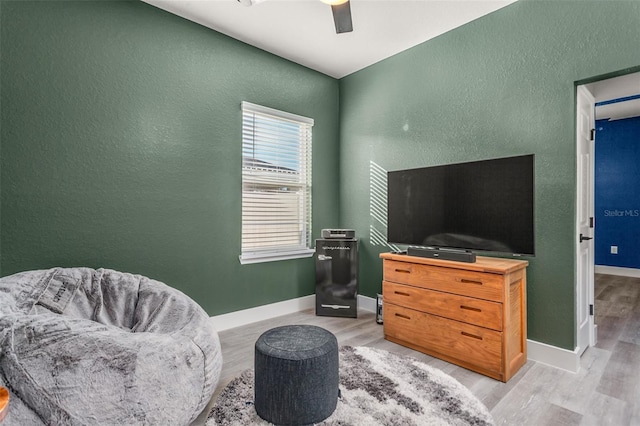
(337,277)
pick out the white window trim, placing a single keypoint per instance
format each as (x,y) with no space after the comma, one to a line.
(250,258)
(276,254)
(276,113)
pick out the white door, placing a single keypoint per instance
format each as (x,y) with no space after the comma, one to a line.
(585,263)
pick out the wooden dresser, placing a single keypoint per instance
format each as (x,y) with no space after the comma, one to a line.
(471,314)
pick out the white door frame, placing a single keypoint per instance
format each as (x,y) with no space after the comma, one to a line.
(586,333)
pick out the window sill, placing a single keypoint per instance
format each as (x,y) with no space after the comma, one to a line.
(248,259)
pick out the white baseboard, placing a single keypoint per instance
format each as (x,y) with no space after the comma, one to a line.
(536,351)
(553,356)
(366,303)
(616,270)
(265,312)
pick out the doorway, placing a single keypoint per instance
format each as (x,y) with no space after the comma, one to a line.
(589,95)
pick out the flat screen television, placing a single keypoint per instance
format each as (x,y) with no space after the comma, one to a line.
(475,206)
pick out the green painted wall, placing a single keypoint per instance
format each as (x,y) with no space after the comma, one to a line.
(121,147)
(0,142)
(501,85)
(120,140)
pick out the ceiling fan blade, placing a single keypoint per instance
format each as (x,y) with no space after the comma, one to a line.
(342,17)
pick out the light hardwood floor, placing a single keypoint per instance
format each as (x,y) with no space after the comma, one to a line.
(606,390)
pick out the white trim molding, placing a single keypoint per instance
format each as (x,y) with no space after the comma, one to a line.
(265,312)
(250,258)
(553,356)
(536,351)
(366,303)
(616,270)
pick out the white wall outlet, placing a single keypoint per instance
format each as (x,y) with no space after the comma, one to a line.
(614,249)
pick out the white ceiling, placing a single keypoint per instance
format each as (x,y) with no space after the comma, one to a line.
(616,88)
(303,30)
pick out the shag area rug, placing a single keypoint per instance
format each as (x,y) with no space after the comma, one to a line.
(376,388)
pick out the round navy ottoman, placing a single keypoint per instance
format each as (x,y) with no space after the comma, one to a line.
(296,375)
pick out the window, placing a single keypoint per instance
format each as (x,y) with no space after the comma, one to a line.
(276,185)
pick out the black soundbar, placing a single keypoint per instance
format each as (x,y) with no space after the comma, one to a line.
(456,255)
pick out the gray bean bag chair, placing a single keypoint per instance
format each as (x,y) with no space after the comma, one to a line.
(82,346)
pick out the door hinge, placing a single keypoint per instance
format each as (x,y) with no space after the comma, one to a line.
(590,222)
(593,135)
(591,310)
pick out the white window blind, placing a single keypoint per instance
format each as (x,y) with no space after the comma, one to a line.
(276,184)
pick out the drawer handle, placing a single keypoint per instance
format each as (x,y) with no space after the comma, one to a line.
(471,335)
(404,271)
(466,281)
(403,316)
(402,293)
(470,308)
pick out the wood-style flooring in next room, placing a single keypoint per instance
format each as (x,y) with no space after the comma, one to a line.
(606,390)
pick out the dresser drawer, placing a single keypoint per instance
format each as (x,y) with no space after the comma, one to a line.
(467,283)
(470,344)
(461,308)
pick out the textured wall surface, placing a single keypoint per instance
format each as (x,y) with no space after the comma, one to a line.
(0,143)
(501,85)
(120,133)
(617,192)
(121,147)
